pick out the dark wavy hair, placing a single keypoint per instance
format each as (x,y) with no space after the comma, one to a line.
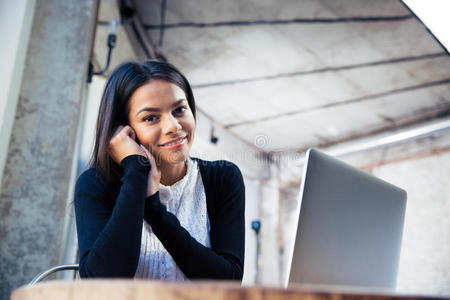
(114,107)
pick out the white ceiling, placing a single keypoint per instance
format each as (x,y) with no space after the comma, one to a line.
(304,73)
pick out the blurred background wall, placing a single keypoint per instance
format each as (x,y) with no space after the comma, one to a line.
(43,95)
(363,80)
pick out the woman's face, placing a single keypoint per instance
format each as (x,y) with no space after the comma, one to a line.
(159,114)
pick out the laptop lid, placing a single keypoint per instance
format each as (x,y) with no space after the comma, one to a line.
(350,226)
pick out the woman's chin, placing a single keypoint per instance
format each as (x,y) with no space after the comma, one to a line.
(174,158)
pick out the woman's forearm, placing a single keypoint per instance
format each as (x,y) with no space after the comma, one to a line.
(109,238)
(225,259)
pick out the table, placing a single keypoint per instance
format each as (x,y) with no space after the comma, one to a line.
(198,290)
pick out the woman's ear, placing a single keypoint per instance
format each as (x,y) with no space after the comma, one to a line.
(136,138)
(134,135)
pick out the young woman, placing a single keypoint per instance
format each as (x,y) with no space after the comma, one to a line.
(145,208)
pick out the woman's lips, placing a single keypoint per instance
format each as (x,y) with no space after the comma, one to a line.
(178,143)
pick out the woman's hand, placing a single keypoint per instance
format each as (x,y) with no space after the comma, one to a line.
(154,177)
(123,143)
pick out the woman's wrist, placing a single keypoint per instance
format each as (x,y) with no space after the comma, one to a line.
(152,196)
(135,161)
(152,189)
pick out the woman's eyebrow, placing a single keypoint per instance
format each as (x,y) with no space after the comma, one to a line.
(176,103)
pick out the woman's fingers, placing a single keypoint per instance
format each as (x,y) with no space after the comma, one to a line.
(145,151)
(130,132)
(123,143)
(118,129)
(149,157)
(155,173)
(133,135)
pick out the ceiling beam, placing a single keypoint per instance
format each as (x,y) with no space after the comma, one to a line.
(368,19)
(344,102)
(292,163)
(323,70)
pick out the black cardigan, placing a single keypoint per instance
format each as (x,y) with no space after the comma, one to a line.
(109,223)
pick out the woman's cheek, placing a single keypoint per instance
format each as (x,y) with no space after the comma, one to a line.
(156,151)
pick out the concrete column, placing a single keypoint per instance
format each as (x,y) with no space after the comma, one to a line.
(38,168)
(269,259)
(15,26)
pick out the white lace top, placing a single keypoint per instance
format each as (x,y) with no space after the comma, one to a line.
(186,199)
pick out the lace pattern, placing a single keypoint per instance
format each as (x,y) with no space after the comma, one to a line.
(186,199)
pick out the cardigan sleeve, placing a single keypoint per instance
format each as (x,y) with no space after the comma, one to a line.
(109,235)
(225,259)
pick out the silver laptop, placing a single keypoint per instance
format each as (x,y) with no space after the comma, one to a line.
(350,227)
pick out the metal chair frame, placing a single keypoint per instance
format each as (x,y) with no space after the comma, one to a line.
(52,270)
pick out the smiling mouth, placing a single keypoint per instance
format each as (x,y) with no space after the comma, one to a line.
(176,142)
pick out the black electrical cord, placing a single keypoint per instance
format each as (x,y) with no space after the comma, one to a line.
(163,22)
(111,44)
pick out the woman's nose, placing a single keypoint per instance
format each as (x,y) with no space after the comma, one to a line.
(170,124)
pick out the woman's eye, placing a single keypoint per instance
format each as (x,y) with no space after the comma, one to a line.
(150,119)
(180,110)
